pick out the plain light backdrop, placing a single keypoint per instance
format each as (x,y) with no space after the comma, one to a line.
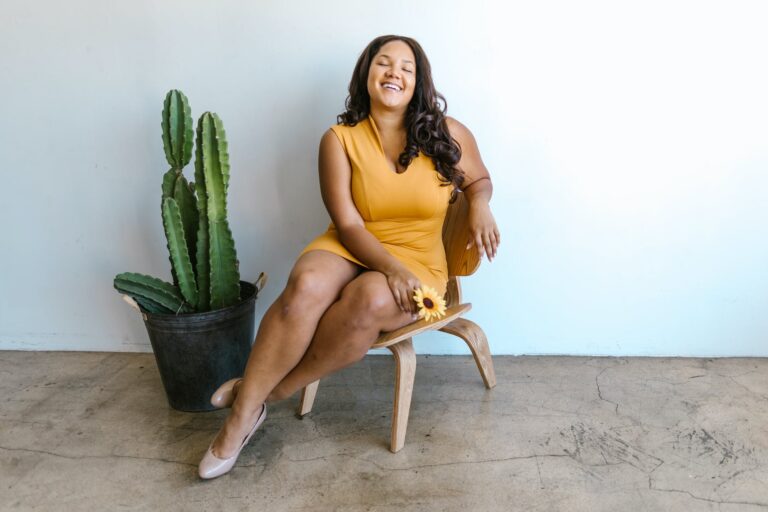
(627,142)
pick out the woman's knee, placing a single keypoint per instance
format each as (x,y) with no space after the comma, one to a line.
(369,300)
(307,289)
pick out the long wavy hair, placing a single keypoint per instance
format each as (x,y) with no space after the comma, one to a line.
(425,122)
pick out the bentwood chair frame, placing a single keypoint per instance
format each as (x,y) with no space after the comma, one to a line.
(461,262)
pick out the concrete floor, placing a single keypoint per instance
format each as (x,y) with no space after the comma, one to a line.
(92,431)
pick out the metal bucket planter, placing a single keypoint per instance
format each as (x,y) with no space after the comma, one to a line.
(197,352)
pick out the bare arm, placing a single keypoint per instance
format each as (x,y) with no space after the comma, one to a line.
(336,190)
(478,189)
(477,184)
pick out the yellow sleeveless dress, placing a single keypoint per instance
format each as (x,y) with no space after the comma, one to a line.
(405,211)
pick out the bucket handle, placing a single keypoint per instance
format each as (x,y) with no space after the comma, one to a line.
(260,282)
(132,303)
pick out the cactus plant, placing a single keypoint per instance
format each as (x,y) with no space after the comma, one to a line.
(204,264)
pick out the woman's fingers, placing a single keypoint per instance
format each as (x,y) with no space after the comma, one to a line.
(404,301)
(487,243)
(488,246)
(396,295)
(479,243)
(494,242)
(411,302)
(408,303)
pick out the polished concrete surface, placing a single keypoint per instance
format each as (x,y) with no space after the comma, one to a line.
(92,431)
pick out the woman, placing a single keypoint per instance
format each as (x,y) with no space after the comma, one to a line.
(387,173)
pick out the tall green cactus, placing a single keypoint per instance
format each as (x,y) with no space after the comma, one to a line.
(204,263)
(177,144)
(225,277)
(203,258)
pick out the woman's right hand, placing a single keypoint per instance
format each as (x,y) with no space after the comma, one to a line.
(403,284)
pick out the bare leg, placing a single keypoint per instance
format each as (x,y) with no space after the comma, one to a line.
(346,331)
(283,335)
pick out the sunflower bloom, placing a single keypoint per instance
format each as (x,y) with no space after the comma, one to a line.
(431,304)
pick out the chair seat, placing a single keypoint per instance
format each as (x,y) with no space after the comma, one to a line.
(421,325)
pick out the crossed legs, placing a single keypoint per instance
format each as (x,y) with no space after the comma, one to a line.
(328,316)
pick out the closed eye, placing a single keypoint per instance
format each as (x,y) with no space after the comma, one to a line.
(406,70)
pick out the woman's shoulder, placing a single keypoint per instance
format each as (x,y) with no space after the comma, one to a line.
(338,131)
(341,130)
(346,132)
(338,128)
(342,127)
(457,129)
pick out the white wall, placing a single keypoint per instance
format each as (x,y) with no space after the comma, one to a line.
(628,144)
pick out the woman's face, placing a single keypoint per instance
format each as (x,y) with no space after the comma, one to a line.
(393,65)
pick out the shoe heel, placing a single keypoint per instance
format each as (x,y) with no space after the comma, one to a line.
(224,396)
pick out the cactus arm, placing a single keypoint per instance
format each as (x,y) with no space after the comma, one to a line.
(185,198)
(166,125)
(189,134)
(201,255)
(225,278)
(215,157)
(177,246)
(137,291)
(152,282)
(203,266)
(177,129)
(157,290)
(221,137)
(152,306)
(169,184)
(174,134)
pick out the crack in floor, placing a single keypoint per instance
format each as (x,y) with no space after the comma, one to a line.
(82,457)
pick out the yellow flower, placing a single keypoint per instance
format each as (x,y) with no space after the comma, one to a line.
(431,305)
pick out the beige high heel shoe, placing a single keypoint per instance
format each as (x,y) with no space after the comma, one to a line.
(225,395)
(211,466)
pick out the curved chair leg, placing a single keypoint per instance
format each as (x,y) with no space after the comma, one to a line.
(307,398)
(474,336)
(405,361)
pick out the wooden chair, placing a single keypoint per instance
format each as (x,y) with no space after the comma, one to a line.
(461,262)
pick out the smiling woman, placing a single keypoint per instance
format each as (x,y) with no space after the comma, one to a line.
(393,124)
(388,170)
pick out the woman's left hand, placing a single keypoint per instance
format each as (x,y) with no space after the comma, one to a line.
(483,230)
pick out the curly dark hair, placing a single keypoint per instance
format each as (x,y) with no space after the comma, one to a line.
(425,117)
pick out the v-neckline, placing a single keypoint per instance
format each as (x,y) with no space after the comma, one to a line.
(381,148)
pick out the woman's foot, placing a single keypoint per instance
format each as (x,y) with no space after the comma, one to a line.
(231,435)
(220,457)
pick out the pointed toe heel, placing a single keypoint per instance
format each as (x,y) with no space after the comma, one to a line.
(211,466)
(225,395)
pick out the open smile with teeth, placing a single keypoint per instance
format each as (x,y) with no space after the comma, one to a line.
(392,87)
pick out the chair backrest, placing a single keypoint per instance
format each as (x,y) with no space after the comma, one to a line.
(461,261)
